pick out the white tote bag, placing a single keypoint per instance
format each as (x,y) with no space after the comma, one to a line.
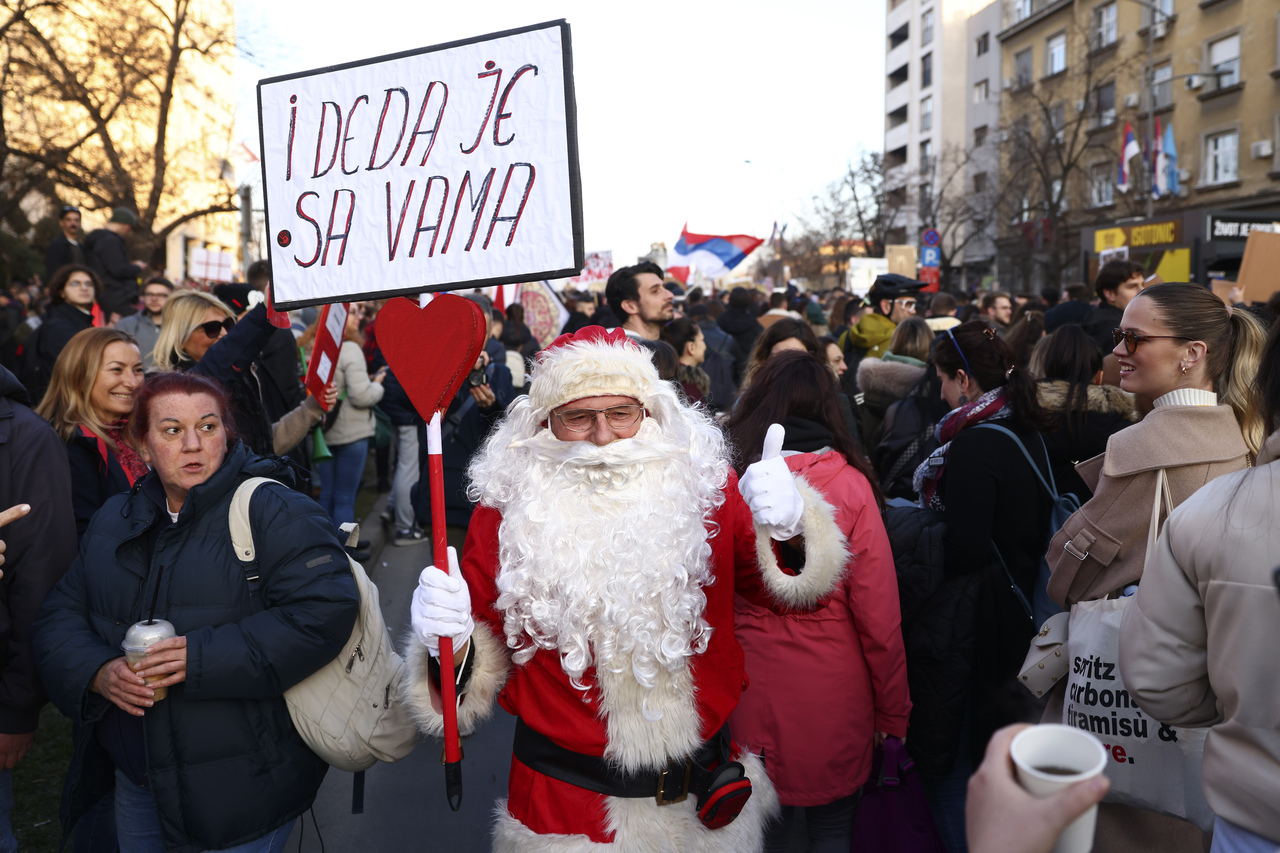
(1152,766)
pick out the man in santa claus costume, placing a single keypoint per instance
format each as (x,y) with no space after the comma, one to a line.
(595,602)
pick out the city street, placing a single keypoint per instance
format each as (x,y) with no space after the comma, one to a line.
(404,803)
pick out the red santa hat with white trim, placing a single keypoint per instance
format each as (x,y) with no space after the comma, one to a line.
(592,362)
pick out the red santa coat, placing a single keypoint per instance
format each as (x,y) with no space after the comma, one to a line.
(539,691)
(823,682)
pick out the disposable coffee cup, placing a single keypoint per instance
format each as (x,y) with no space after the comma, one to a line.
(1050,757)
(140,637)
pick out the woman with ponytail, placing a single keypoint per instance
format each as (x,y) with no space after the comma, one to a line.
(996,511)
(1196,358)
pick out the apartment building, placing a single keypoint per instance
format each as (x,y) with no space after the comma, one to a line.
(1194,81)
(982,129)
(930,121)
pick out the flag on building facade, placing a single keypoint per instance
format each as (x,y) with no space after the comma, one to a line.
(1130,150)
(1170,153)
(1160,165)
(713,255)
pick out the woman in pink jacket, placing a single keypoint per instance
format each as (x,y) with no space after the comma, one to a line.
(829,685)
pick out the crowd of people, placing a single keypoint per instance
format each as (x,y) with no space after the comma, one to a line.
(713,546)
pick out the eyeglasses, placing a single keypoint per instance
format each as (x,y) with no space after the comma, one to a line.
(617,417)
(1132,339)
(87,284)
(211,328)
(909,304)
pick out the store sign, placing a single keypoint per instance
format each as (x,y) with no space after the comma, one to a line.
(1141,236)
(1238,227)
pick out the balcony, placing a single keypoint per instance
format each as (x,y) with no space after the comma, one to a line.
(898,57)
(897,137)
(897,98)
(1018,15)
(898,16)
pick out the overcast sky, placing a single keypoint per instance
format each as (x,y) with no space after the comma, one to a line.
(674,98)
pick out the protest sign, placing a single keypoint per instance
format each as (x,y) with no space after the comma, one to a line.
(324,354)
(435,169)
(595,273)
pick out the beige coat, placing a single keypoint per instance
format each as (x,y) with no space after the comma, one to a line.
(1100,550)
(1198,645)
(355,418)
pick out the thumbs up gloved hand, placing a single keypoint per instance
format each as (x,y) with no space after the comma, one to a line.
(770,491)
(441,607)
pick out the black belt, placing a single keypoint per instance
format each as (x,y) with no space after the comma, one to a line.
(671,784)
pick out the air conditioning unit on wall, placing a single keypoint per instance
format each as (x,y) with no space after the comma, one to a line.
(1131,100)
(1260,150)
(1008,83)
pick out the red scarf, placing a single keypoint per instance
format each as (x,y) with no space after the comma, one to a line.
(993,405)
(133,466)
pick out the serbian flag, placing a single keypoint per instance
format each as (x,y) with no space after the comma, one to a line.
(1131,149)
(714,255)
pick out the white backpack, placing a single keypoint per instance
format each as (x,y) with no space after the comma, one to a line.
(350,711)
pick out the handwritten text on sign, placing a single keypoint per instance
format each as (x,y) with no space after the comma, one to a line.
(424,171)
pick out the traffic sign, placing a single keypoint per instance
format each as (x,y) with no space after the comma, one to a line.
(932,277)
(931,237)
(930,256)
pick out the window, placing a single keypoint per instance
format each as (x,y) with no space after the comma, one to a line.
(1102,183)
(926,114)
(1057,195)
(1022,68)
(926,155)
(1104,106)
(1162,86)
(926,27)
(1104,25)
(979,136)
(1224,61)
(1165,8)
(980,182)
(980,91)
(984,43)
(1220,157)
(926,201)
(1022,211)
(1021,10)
(1057,122)
(926,71)
(1055,54)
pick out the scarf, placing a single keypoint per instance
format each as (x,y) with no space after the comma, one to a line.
(130,461)
(991,406)
(805,436)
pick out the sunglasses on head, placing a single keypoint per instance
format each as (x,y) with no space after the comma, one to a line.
(211,328)
(1132,339)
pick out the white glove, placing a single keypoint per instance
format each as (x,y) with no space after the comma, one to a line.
(771,493)
(441,607)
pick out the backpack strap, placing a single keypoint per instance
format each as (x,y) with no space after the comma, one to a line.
(1050,485)
(242,535)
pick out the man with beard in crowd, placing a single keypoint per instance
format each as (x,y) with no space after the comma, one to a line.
(595,601)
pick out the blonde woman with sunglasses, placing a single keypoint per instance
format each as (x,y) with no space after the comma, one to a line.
(199,333)
(1196,358)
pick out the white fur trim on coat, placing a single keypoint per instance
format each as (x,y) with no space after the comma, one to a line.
(643,826)
(489,672)
(826,552)
(592,369)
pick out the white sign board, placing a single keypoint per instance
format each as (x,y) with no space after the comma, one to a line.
(436,169)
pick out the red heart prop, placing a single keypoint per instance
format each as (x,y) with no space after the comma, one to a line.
(432,349)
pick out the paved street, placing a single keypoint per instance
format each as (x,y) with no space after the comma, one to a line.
(405,806)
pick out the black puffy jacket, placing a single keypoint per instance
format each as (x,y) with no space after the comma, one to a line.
(938,633)
(223,759)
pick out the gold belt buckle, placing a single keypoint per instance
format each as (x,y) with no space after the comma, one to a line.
(684,792)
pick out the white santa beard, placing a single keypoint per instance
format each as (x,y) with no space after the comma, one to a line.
(603,555)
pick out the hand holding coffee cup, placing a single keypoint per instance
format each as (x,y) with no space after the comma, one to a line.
(1004,813)
(154,652)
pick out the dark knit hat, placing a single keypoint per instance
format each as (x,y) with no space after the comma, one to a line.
(234,296)
(124,216)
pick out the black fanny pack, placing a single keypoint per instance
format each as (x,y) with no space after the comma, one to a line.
(720,785)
